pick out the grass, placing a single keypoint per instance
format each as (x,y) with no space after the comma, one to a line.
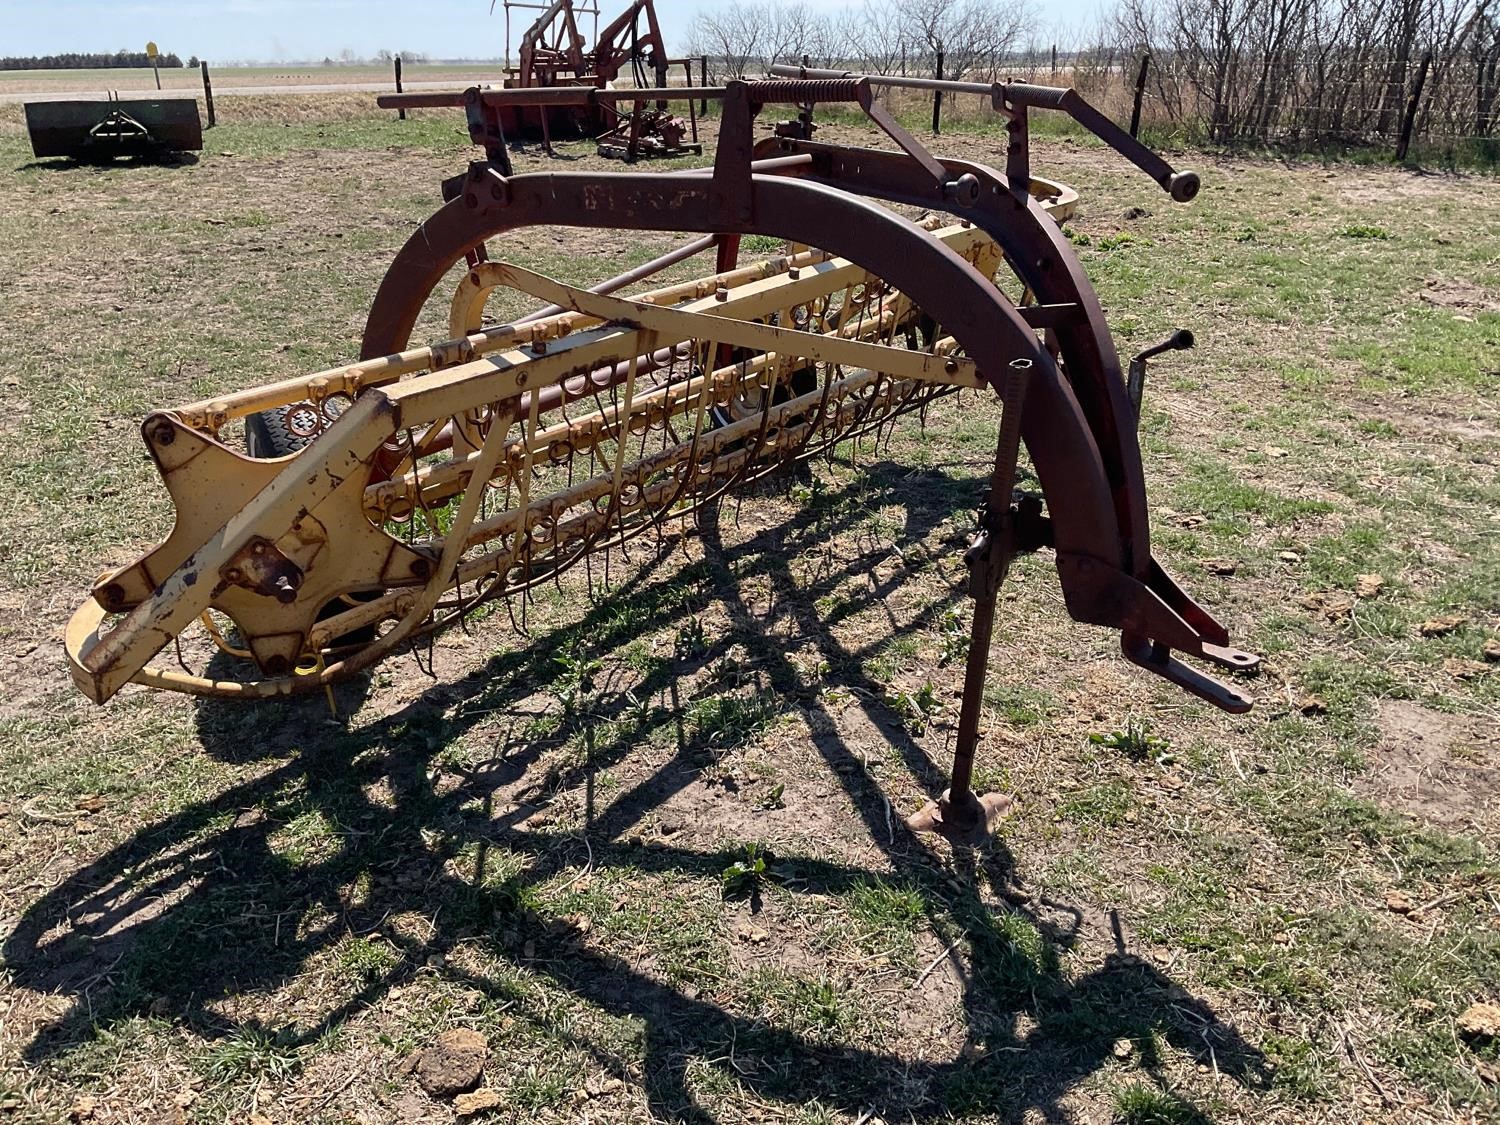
(1185,920)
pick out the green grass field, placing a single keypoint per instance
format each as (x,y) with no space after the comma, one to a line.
(651,850)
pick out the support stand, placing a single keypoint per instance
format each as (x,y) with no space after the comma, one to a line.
(960,815)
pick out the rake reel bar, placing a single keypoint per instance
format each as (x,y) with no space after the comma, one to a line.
(452,476)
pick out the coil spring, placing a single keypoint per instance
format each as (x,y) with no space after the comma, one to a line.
(798,91)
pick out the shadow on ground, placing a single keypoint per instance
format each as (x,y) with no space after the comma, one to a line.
(201,906)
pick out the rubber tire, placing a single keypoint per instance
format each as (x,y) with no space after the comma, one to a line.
(803,381)
(267,436)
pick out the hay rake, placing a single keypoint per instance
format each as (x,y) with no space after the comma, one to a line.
(419,484)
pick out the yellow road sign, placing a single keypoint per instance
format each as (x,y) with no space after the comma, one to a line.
(151,51)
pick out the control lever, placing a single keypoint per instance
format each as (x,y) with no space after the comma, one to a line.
(1178,341)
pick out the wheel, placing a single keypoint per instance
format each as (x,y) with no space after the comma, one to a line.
(285,430)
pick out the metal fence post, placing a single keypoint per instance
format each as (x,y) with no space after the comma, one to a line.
(703,74)
(208,92)
(1140,92)
(402,112)
(937,99)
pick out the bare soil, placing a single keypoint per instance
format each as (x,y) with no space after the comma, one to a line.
(1440,768)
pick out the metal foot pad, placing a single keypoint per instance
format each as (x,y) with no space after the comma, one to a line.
(966,820)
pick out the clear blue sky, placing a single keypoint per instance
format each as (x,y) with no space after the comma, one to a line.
(283,30)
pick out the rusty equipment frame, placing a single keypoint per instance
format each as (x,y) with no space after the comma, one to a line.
(554,53)
(440,478)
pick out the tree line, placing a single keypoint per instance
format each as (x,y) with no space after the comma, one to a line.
(76,60)
(1301,70)
(885,36)
(1335,69)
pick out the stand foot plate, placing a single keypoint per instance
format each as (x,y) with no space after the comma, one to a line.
(967,819)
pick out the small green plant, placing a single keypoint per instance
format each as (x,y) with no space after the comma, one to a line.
(821,1005)
(1141,1105)
(916,708)
(773,798)
(1364,230)
(955,643)
(366,959)
(253,1052)
(640,712)
(1136,742)
(576,677)
(691,640)
(743,876)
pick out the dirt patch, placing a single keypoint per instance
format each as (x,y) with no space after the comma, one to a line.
(1383,187)
(1434,766)
(1456,293)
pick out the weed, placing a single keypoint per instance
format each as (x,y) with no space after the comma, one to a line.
(691,640)
(1143,1105)
(575,679)
(366,958)
(1136,742)
(955,637)
(744,876)
(252,1052)
(916,708)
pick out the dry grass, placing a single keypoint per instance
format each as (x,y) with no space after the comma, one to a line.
(214,911)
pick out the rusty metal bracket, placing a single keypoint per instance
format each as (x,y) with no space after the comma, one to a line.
(260,567)
(486,129)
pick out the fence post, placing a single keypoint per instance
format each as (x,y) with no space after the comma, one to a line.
(1140,92)
(401,112)
(1410,117)
(937,99)
(1054,58)
(703,75)
(208,92)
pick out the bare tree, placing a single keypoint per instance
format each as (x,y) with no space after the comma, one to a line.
(877,35)
(731,36)
(972,35)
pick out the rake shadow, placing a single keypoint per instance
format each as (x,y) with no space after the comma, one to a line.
(201,906)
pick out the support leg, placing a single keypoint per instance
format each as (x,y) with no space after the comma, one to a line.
(960,814)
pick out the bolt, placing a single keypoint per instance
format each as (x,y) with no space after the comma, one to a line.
(421,568)
(163,434)
(721,293)
(950,366)
(794,273)
(113,595)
